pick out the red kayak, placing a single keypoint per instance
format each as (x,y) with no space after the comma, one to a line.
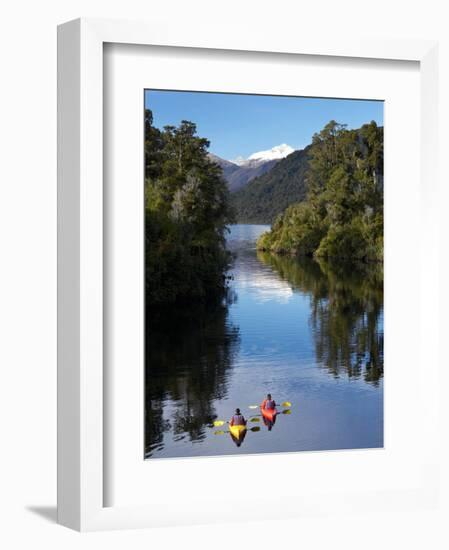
(269,414)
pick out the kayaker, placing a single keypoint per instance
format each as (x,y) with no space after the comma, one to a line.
(268,403)
(237,419)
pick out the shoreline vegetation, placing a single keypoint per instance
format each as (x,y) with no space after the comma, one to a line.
(342,214)
(187,211)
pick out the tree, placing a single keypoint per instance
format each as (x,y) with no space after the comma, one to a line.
(342,215)
(153,147)
(186,213)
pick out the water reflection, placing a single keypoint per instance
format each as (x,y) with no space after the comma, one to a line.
(252,277)
(307,332)
(269,423)
(346,311)
(238,440)
(188,356)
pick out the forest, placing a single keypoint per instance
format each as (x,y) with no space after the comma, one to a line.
(341,215)
(187,209)
(268,195)
(336,184)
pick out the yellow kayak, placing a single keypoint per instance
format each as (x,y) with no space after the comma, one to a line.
(237,431)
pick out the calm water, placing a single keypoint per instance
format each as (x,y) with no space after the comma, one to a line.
(308,333)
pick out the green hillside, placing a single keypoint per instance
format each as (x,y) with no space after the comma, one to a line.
(266,196)
(342,213)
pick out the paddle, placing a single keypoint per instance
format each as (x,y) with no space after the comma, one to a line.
(255,418)
(284,404)
(285,411)
(222,432)
(218,423)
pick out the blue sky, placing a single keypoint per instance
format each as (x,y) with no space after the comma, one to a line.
(239,125)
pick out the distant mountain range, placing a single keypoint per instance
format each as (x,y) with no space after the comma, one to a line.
(239,172)
(266,196)
(266,183)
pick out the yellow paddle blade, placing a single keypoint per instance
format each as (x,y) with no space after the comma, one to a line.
(286,404)
(288,411)
(255,429)
(255,419)
(219,432)
(253,407)
(218,423)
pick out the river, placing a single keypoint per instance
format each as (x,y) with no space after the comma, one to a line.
(308,333)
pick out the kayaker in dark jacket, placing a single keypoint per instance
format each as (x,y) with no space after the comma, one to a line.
(268,403)
(237,419)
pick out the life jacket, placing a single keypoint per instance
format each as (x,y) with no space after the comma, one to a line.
(237,420)
(268,404)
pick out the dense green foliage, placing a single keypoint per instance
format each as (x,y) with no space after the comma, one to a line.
(342,215)
(266,196)
(186,213)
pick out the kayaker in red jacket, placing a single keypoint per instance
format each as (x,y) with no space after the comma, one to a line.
(268,403)
(237,419)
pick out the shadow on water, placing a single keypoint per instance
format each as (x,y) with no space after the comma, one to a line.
(346,312)
(189,354)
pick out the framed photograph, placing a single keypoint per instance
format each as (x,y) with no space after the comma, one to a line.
(234,286)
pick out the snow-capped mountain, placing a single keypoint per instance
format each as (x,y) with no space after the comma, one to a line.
(240,171)
(276,153)
(238,176)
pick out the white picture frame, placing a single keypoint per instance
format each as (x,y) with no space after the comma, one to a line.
(81,387)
